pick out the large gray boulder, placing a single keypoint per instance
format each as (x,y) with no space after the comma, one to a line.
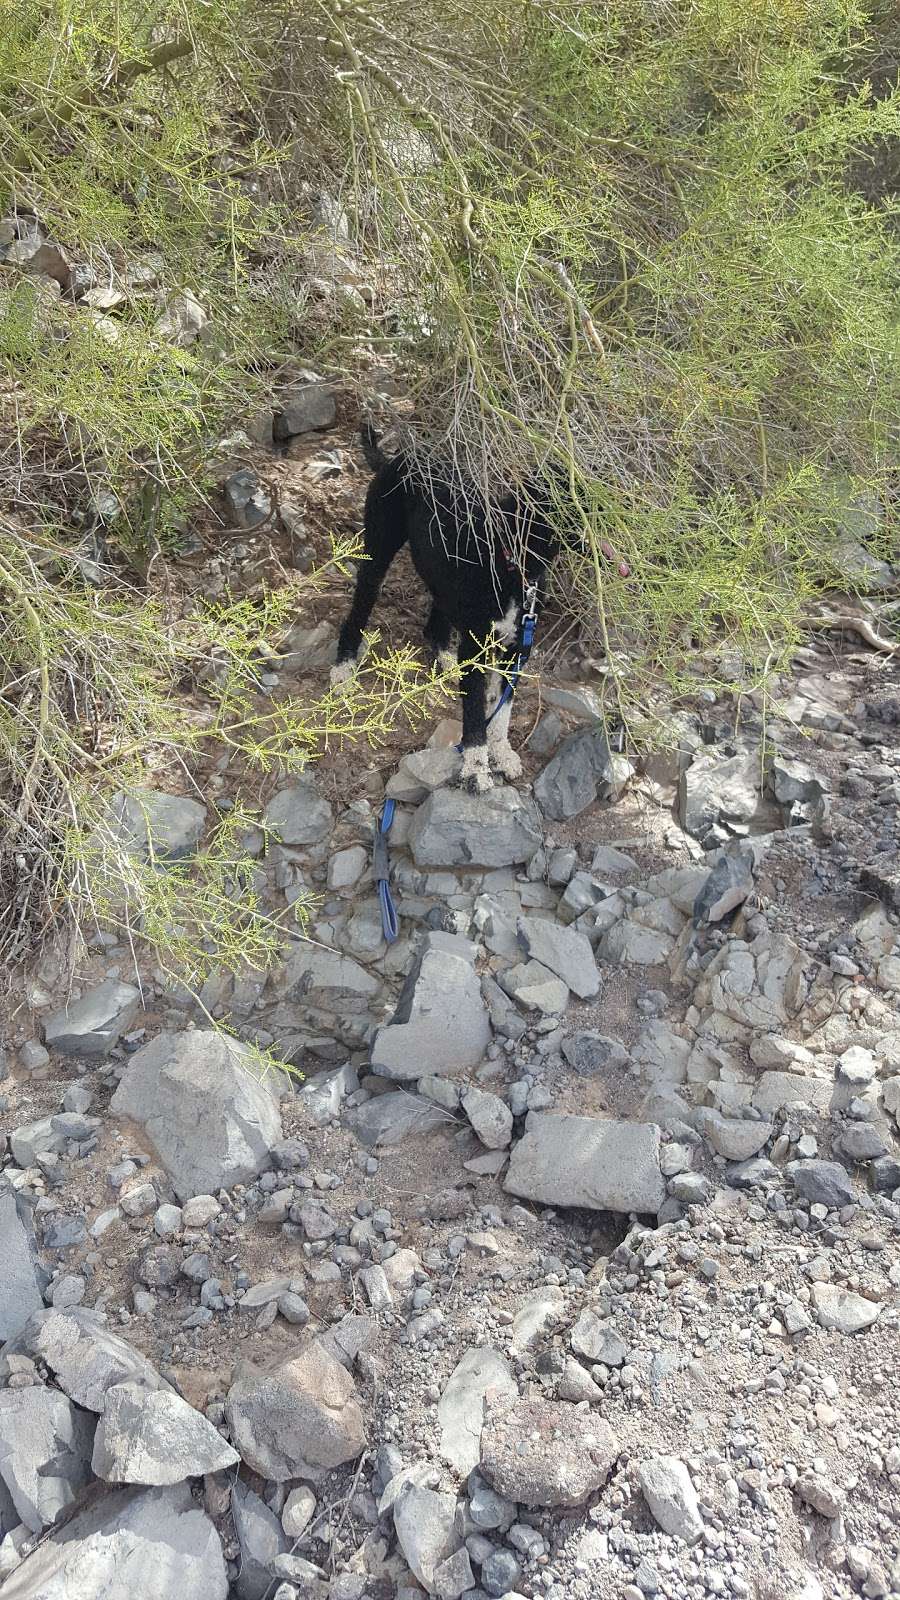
(454,829)
(441,1024)
(155,1438)
(205,1107)
(158,826)
(89,1028)
(147,1544)
(85,1357)
(298,1421)
(583,770)
(22,1278)
(543,1453)
(45,1453)
(580,1161)
(299,815)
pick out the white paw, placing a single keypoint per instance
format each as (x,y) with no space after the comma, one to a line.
(504,759)
(475,773)
(445,661)
(342,673)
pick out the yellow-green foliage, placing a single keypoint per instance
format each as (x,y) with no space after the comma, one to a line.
(629,237)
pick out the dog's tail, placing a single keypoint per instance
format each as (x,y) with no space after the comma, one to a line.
(371,448)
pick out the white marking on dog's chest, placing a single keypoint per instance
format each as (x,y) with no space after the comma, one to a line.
(508,626)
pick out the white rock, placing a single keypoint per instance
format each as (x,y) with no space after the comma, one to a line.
(156,1439)
(842,1310)
(490,1117)
(481,1372)
(299,1510)
(667,1488)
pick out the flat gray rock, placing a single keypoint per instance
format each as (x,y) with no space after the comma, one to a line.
(85,1357)
(305,409)
(202,1103)
(33,1139)
(481,1377)
(155,1439)
(441,1024)
(547,1453)
(45,1453)
(534,986)
(454,829)
(161,827)
(565,951)
(325,974)
(597,1339)
(583,770)
(735,1138)
(637,946)
(146,1544)
(843,1311)
(298,815)
(89,1027)
(22,1279)
(761,985)
(582,1161)
(299,1420)
(423,771)
(824,1183)
(730,882)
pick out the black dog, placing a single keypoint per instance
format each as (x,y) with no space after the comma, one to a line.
(483,571)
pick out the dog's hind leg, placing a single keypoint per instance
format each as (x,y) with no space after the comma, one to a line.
(475,774)
(384,535)
(437,633)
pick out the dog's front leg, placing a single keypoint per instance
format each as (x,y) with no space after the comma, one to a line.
(501,755)
(475,774)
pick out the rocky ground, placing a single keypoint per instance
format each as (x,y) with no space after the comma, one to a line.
(569,1266)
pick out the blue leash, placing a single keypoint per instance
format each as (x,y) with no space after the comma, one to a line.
(381,872)
(381,863)
(529,624)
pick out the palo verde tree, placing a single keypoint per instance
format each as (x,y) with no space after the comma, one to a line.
(652,242)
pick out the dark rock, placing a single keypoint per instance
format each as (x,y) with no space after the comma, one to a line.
(247,500)
(824,1183)
(583,770)
(90,1027)
(589,1052)
(304,410)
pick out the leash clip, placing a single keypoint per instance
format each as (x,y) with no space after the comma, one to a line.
(529,608)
